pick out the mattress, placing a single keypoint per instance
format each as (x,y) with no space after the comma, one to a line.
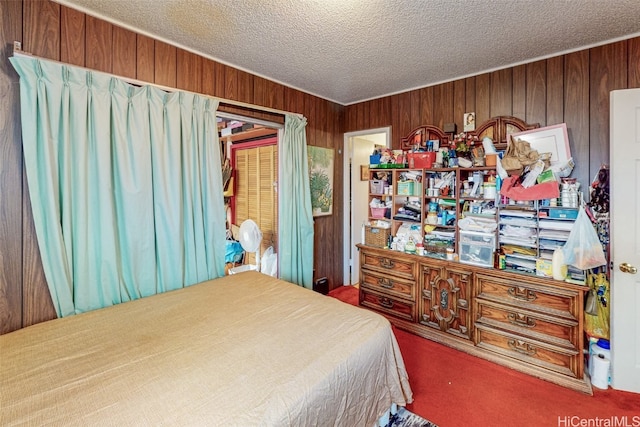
(246,349)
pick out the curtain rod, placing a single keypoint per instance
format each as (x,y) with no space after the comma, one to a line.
(17,51)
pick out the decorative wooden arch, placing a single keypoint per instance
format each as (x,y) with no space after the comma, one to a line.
(421,135)
(498,128)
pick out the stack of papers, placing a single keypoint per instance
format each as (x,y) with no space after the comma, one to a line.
(554,234)
(550,224)
(517,212)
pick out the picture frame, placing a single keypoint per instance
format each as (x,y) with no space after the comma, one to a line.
(552,139)
(321,179)
(364,172)
(469,121)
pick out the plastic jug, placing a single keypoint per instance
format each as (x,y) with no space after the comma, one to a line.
(601,346)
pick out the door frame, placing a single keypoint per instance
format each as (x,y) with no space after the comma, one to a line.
(348,174)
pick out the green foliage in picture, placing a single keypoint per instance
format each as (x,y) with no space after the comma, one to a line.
(321,179)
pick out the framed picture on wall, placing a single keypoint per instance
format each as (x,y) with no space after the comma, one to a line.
(321,179)
(469,122)
(364,172)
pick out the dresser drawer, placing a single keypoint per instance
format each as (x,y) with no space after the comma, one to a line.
(400,266)
(532,296)
(401,309)
(387,284)
(527,350)
(554,330)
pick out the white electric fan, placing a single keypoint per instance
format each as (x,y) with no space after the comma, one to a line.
(250,239)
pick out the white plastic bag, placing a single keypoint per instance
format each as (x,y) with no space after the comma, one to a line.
(269,262)
(583,249)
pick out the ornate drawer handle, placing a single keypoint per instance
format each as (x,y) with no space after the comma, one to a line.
(521,320)
(385,283)
(523,294)
(522,347)
(386,302)
(387,263)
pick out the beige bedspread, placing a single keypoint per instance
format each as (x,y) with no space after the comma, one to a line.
(243,350)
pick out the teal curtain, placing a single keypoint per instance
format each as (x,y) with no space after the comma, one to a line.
(125,185)
(295,214)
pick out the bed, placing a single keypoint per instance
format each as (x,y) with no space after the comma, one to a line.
(246,349)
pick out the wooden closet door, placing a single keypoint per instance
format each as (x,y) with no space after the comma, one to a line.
(256,197)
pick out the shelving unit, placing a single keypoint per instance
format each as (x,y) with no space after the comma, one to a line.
(530,232)
(532,324)
(380,189)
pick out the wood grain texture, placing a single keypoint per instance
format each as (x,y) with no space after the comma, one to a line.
(634,62)
(11,191)
(188,71)
(442,105)
(367,110)
(221,79)
(231,84)
(608,71)
(37,305)
(145,58)
(519,95)
(165,64)
(404,113)
(99,44)
(351,118)
(459,95)
(555,90)
(536,93)
(426,107)
(124,54)
(414,106)
(41,28)
(483,100)
(208,77)
(501,93)
(577,112)
(362,116)
(275,95)
(470,96)
(260,93)
(72,36)
(396,134)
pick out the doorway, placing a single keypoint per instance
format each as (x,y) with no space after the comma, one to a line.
(250,149)
(358,146)
(625,234)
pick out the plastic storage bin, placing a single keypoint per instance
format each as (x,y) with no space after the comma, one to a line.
(378,186)
(406,188)
(421,160)
(378,212)
(477,248)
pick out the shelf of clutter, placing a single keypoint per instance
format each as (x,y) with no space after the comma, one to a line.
(460,197)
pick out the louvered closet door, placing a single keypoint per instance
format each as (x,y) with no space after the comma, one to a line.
(256,192)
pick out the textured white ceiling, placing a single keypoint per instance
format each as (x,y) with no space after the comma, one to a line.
(353,50)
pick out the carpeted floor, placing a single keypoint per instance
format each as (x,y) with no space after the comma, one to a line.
(455,389)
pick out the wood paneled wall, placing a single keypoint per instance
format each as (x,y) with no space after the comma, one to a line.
(53,31)
(572,89)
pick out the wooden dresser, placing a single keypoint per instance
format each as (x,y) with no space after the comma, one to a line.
(527,323)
